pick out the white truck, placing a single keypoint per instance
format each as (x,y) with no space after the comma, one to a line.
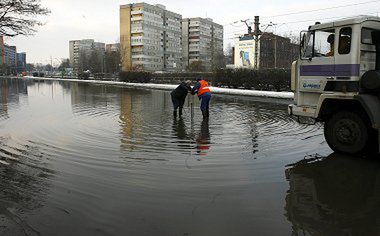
(336,80)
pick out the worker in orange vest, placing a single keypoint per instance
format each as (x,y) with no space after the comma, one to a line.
(204,94)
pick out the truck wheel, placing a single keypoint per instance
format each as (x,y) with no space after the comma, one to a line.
(350,133)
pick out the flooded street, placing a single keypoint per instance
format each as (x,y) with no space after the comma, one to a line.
(80,159)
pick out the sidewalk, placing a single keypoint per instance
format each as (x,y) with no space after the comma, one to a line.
(215,90)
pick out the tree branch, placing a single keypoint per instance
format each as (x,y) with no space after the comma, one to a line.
(18,17)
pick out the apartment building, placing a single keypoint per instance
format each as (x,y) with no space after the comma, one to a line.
(113,47)
(150,38)
(81,50)
(202,41)
(10,56)
(21,62)
(277,51)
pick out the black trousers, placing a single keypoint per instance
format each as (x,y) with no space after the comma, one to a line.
(178,102)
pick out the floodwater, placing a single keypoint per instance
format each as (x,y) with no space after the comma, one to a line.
(80,159)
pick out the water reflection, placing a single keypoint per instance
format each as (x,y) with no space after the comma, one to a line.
(24,185)
(204,138)
(124,166)
(337,195)
(10,91)
(179,128)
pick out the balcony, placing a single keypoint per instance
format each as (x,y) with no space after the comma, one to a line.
(136,18)
(194,30)
(193,50)
(194,40)
(137,41)
(137,30)
(139,12)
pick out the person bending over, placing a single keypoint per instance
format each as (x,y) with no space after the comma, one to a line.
(179,96)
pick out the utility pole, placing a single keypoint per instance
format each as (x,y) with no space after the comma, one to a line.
(51,64)
(248,26)
(275,51)
(257,34)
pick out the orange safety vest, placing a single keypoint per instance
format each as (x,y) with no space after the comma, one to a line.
(204,88)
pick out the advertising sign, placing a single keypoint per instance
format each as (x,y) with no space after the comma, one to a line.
(245,53)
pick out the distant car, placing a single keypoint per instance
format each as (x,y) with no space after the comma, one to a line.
(38,74)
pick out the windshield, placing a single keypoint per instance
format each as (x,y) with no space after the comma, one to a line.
(319,43)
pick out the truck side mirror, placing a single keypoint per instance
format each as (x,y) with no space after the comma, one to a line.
(304,48)
(302,41)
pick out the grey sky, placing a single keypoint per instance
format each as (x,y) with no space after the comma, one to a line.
(99,19)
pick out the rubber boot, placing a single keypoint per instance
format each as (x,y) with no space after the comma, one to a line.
(204,114)
(175,113)
(180,112)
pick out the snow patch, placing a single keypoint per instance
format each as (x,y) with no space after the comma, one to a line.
(216,90)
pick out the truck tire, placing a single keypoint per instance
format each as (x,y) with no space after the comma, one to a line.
(350,133)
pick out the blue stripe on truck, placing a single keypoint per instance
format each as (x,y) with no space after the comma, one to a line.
(331,70)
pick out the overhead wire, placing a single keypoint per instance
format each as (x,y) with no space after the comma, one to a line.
(294,22)
(321,9)
(308,11)
(301,21)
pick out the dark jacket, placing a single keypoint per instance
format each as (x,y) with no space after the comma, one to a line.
(181,91)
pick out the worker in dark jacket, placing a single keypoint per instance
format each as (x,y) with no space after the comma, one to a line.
(204,94)
(179,96)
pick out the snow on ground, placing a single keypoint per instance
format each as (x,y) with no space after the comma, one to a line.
(215,90)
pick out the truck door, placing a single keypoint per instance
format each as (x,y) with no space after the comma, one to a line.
(347,65)
(317,66)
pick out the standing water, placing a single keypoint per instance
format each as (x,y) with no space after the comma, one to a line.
(79,159)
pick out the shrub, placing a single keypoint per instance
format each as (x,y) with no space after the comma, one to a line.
(84,76)
(268,79)
(135,77)
(38,74)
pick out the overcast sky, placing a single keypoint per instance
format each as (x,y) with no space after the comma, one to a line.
(99,20)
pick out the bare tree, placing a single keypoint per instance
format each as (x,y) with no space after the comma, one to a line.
(196,66)
(294,38)
(18,17)
(65,63)
(218,61)
(95,61)
(229,54)
(112,60)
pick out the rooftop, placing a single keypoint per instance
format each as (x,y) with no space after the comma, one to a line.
(345,21)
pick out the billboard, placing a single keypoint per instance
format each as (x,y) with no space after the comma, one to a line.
(245,53)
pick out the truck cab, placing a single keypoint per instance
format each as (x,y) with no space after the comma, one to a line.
(336,80)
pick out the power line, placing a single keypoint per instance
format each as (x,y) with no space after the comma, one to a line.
(321,9)
(330,18)
(303,21)
(228,35)
(308,11)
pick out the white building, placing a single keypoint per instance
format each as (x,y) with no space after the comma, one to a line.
(150,38)
(80,49)
(202,41)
